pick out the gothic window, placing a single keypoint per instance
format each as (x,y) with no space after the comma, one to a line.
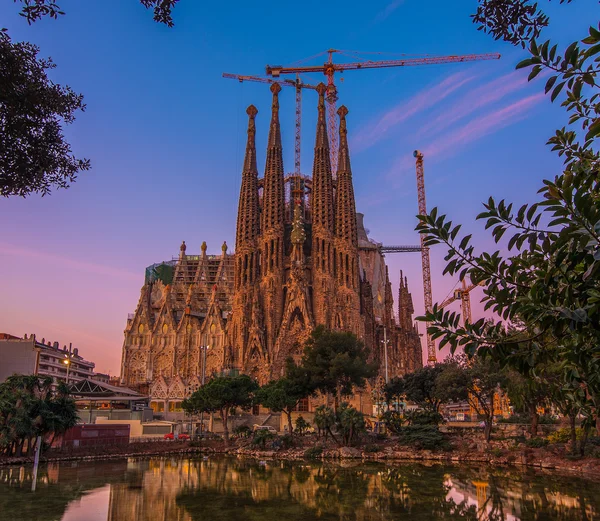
(141,329)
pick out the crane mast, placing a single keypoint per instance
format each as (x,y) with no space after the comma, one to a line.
(298,85)
(425,265)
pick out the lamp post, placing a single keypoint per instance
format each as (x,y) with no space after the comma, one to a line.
(385,354)
(67,361)
(204,348)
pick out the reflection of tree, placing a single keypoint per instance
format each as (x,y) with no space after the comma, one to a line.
(55,490)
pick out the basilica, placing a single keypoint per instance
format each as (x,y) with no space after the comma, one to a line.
(302,258)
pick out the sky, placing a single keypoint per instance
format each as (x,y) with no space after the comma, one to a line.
(166,133)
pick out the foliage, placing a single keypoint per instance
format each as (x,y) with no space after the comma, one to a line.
(324,420)
(314,452)
(242,431)
(335,362)
(549,280)
(424,417)
(221,394)
(302,425)
(287,441)
(418,387)
(261,437)
(425,437)
(33,10)
(536,443)
(564,435)
(394,421)
(283,395)
(371,447)
(350,423)
(34,156)
(29,408)
(478,383)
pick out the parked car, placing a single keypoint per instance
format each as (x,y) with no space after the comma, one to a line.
(171,436)
(264,428)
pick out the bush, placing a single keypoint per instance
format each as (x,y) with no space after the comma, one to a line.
(536,443)
(242,431)
(371,447)
(564,435)
(314,452)
(287,441)
(301,425)
(496,452)
(350,423)
(424,417)
(261,437)
(393,421)
(427,437)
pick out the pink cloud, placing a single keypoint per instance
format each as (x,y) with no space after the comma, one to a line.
(89,267)
(480,127)
(377,130)
(476,99)
(474,130)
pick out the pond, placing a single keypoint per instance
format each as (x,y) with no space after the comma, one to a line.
(218,488)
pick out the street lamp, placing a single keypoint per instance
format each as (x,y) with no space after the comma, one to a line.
(385,354)
(204,349)
(67,362)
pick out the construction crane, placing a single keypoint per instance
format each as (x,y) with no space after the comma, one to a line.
(462,294)
(399,249)
(425,265)
(298,85)
(329,68)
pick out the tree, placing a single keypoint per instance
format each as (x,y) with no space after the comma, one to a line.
(221,394)
(350,423)
(335,362)
(478,383)
(420,387)
(549,279)
(29,408)
(324,420)
(34,154)
(282,395)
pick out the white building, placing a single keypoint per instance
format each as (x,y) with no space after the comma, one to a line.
(30,356)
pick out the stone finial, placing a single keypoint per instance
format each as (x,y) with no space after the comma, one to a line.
(203,247)
(183,247)
(224,247)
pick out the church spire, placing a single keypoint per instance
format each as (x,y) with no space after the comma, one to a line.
(248,223)
(273,195)
(345,206)
(248,210)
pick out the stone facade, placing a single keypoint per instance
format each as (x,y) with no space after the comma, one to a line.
(302,258)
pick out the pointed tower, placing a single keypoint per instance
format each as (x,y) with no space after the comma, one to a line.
(248,221)
(323,254)
(272,232)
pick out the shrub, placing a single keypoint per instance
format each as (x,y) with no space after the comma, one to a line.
(496,452)
(242,431)
(350,423)
(424,417)
(313,452)
(426,437)
(564,435)
(536,443)
(261,437)
(301,425)
(371,447)
(393,421)
(287,441)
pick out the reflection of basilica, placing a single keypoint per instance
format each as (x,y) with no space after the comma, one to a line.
(172,489)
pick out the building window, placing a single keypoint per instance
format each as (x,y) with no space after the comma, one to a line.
(158,406)
(175,407)
(302,405)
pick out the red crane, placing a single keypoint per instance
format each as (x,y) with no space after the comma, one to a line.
(329,68)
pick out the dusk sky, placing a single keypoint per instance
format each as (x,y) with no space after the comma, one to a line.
(165,134)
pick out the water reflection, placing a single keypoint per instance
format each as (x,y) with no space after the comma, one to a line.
(242,489)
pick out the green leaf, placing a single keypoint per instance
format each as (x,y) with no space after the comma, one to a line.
(551,81)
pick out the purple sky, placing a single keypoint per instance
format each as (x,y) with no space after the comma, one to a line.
(165,134)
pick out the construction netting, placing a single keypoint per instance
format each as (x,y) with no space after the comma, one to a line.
(162,271)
